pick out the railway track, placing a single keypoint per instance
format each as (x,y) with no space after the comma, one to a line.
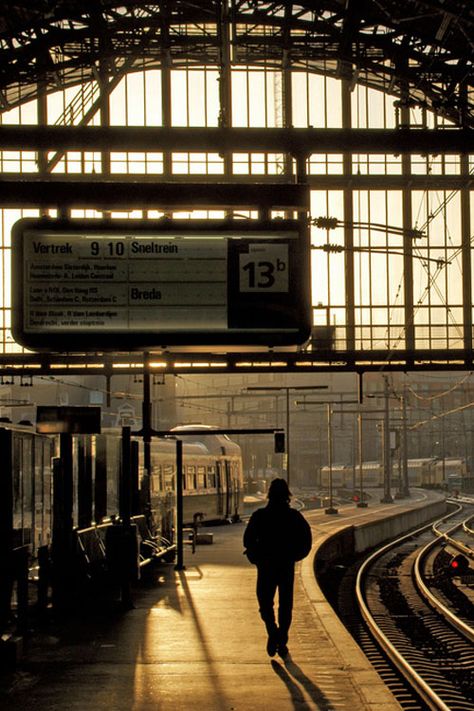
(413,620)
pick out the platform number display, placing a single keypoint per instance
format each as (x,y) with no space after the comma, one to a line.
(264,269)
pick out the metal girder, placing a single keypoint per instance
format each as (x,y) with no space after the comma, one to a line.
(134,194)
(169,363)
(146,193)
(296,141)
(60,43)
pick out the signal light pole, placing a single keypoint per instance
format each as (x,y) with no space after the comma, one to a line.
(286,389)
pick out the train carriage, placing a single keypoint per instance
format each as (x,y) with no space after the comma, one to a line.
(212,480)
(451,473)
(372,474)
(419,471)
(26,490)
(212,475)
(423,472)
(220,488)
(341,476)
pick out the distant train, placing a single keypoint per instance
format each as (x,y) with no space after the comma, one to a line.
(212,481)
(423,472)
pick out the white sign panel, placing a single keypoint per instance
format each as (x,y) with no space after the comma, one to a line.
(121,283)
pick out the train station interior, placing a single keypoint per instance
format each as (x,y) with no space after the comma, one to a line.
(235,244)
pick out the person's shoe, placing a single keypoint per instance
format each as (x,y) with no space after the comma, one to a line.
(272,646)
(283,650)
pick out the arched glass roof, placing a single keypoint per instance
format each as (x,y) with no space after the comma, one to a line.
(419,50)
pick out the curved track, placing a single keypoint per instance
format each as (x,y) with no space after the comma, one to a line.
(420,616)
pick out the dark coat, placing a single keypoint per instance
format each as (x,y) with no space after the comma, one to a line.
(277,533)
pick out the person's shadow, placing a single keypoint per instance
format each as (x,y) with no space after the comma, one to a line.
(294,678)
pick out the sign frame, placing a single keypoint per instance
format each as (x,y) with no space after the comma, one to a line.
(265,281)
(68,419)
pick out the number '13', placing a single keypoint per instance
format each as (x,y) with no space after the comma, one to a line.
(260,274)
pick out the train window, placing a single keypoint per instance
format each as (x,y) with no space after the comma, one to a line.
(211,477)
(201,477)
(201,481)
(191,476)
(158,474)
(219,479)
(168,473)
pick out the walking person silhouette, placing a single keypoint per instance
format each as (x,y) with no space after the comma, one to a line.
(275,538)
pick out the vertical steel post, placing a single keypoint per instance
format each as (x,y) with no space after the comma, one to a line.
(348,207)
(404,448)
(330,509)
(66,458)
(146,429)
(179,506)
(329,425)
(123,538)
(62,524)
(225,44)
(125,489)
(84,482)
(288,444)
(361,503)
(387,497)
(100,480)
(6,526)
(407,216)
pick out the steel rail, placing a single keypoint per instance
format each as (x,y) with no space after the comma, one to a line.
(432,600)
(422,688)
(468,529)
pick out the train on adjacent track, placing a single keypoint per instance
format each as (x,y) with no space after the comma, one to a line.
(212,481)
(432,473)
(212,476)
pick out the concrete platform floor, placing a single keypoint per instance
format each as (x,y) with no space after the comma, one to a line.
(195,641)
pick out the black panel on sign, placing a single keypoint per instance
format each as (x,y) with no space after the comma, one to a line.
(263,291)
(65,419)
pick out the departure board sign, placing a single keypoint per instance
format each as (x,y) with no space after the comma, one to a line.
(131,285)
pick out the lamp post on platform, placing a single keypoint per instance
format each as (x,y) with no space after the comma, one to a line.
(331,509)
(404,489)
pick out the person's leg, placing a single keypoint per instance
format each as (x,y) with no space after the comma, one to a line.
(266,589)
(285,602)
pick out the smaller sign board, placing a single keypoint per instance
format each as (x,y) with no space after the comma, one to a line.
(65,419)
